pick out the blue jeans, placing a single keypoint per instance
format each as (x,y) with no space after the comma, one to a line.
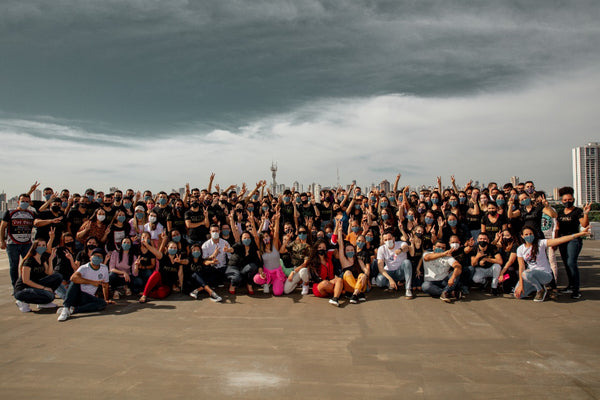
(14,252)
(82,302)
(569,252)
(238,276)
(115,280)
(534,280)
(40,296)
(436,288)
(400,274)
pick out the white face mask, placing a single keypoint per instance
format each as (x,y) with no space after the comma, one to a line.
(389,243)
(214,235)
(152,219)
(101,217)
(454,246)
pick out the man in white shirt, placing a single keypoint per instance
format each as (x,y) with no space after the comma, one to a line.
(81,295)
(216,249)
(393,264)
(439,280)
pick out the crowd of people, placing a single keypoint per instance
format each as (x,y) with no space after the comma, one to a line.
(442,242)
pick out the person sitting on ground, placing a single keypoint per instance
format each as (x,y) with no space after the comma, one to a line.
(81,295)
(393,264)
(441,272)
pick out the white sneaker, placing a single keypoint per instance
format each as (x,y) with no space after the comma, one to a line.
(215,297)
(374,282)
(194,293)
(47,305)
(334,301)
(305,289)
(266,288)
(64,314)
(23,307)
(409,293)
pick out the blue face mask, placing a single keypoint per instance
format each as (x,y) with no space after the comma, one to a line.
(438,250)
(121,218)
(429,203)
(369,238)
(176,239)
(250,209)
(255,197)
(246,241)
(226,232)
(265,208)
(127,205)
(342,197)
(196,254)
(392,198)
(41,249)
(453,203)
(349,254)
(47,196)
(529,238)
(360,245)
(298,200)
(286,199)
(453,223)
(526,202)
(373,198)
(126,246)
(172,252)
(162,201)
(23,205)
(357,206)
(64,204)
(302,236)
(329,235)
(500,202)
(435,200)
(355,229)
(428,220)
(384,216)
(96,260)
(410,217)
(384,204)
(139,215)
(91,198)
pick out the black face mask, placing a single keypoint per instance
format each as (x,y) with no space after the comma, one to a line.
(195,204)
(483,245)
(506,241)
(321,252)
(55,208)
(117,199)
(568,204)
(419,235)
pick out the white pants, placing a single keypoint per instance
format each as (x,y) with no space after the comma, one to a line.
(289,286)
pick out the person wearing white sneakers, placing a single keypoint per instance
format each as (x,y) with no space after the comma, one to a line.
(37,282)
(81,295)
(394,265)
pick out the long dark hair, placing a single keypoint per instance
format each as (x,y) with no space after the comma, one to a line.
(314,262)
(129,252)
(32,250)
(535,247)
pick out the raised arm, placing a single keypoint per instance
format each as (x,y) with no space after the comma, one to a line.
(396,182)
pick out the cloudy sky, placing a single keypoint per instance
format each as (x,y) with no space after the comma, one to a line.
(154,94)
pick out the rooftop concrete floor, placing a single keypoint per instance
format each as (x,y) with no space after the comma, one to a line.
(301,347)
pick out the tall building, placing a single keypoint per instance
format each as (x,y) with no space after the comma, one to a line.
(384,186)
(296,186)
(586,173)
(274,175)
(37,195)
(3,204)
(514,180)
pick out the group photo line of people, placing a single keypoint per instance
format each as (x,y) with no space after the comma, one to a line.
(94,248)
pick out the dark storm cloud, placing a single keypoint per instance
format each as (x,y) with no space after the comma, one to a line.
(147,66)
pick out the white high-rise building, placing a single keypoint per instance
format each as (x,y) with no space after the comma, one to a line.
(586,173)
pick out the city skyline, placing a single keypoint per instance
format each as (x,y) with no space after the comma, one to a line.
(157,94)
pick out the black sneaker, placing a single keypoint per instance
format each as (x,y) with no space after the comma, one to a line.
(566,290)
(354,299)
(576,295)
(361,297)
(495,292)
(334,301)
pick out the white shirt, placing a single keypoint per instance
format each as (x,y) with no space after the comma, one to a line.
(392,260)
(208,248)
(87,272)
(541,262)
(438,269)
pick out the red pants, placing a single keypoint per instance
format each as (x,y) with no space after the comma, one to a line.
(155,288)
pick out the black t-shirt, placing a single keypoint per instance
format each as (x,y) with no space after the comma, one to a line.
(115,235)
(62,264)
(287,213)
(200,233)
(110,213)
(37,272)
(76,219)
(492,228)
(473,221)
(326,212)
(568,224)
(162,214)
(168,271)
(147,260)
(82,257)
(463,258)
(177,222)
(43,232)
(239,258)
(533,218)
(491,251)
